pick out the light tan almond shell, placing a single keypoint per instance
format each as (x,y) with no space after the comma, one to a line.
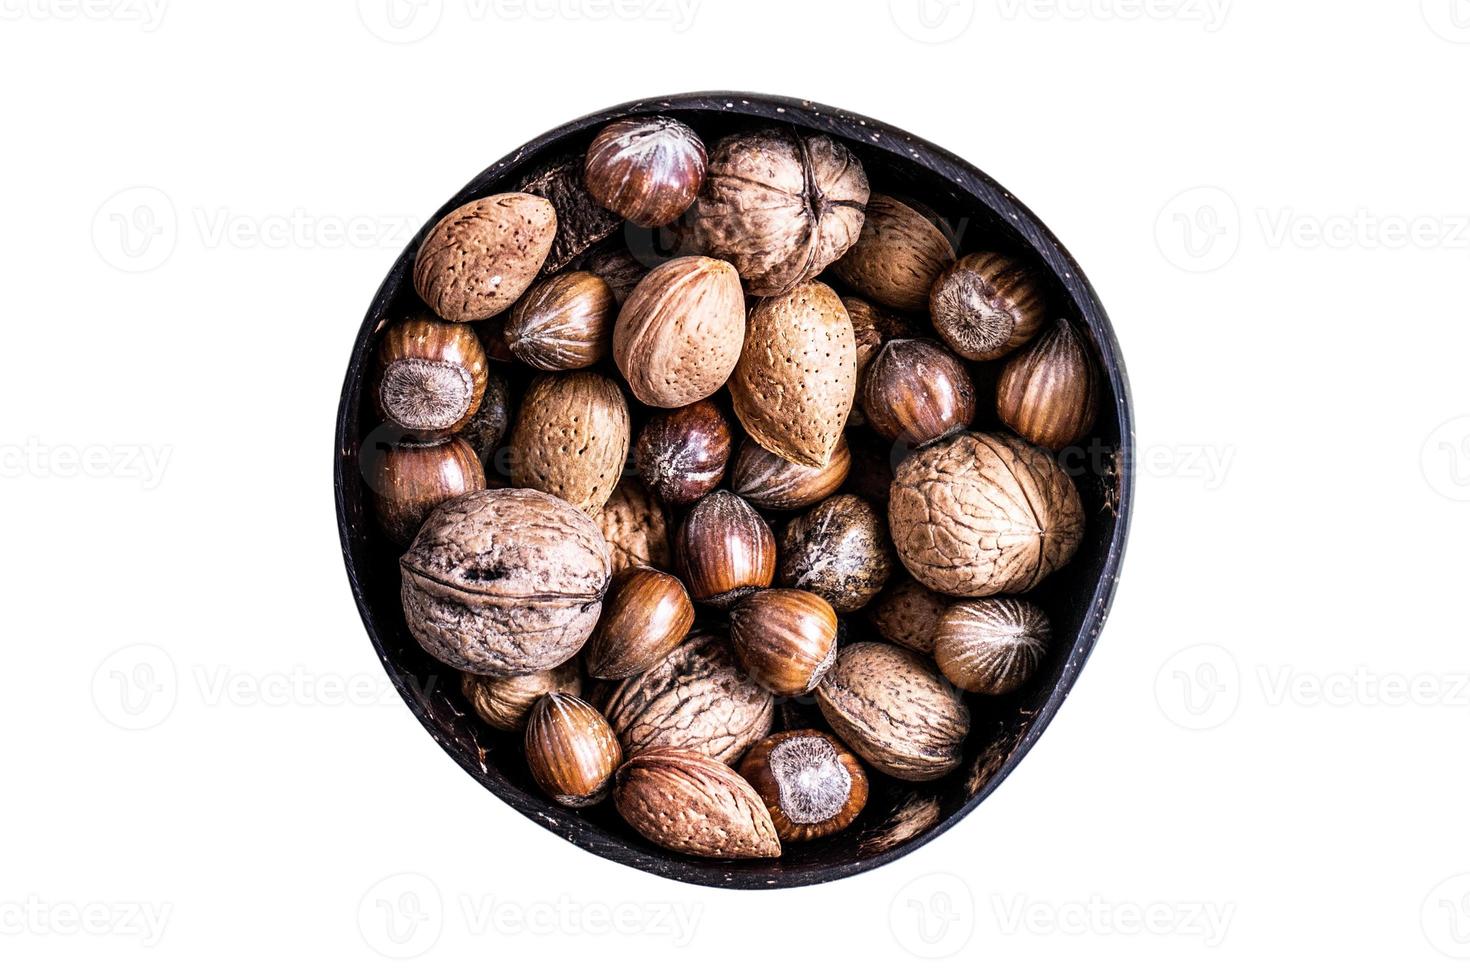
(797,375)
(571,438)
(679,335)
(897,256)
(894,710)
(479,258)
(636,527)
(692,804)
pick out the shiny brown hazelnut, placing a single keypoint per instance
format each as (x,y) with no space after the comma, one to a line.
(571,750)
(986,305)
(504,703)
(1048,392)
(635,526)
(769,481)
(872,327)
(724,551)
(646,615)
(811,784)
(430,376)
(915,392)
(839,549)
(908,614)
(786,639)
(991,646)
(648,170)
(562,323)
(681,454)
(409,480)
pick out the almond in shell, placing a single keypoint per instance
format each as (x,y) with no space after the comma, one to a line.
(692,804)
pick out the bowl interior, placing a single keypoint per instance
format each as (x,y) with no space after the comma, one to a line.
(899,816)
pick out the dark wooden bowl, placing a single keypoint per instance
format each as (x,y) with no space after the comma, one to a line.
(900,816)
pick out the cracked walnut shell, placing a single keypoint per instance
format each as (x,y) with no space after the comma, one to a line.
(983,514)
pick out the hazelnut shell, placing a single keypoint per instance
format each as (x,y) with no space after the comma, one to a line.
(769,481)
(786,639)
(648,170)
(409,480)
(723,550)
(811,784)
(1048,392)
(681,454)
(916,391)
(504,703)
(645,616)
(986,305)
(562,323)
(430,376)
(571,750)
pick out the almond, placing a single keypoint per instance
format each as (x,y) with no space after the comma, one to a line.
(897,257)
(479,259)
(571,439)
(692,804)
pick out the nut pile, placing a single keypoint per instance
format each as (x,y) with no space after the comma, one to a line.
(640,507)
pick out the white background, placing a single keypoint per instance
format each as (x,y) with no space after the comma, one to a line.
(1261,769)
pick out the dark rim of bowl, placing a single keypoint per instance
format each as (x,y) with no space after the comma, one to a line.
(1009,212)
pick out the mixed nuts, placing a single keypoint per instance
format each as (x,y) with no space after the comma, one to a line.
(641,504)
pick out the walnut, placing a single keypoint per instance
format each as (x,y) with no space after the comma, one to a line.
(780,206)
(504,582)
(983,514)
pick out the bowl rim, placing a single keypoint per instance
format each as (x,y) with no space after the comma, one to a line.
(1019,219)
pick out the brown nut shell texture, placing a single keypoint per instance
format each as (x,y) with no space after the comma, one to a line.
(767,480)
(897,257)
(562,323)
(692,804)
(571,438)
(503,703)
(991,646)
(480,258)
(983,514)
(679,334)
(811,784)
(839,550)
(797,376)
(697,698)
(908,615)
(780,205)
(504,582)
(636,527)
(894,711)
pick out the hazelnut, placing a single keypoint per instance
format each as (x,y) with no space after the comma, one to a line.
(678,336)
(571,750)
(681,454)
(839,550)
(983,514)
(695,698)
(571,438)
(986,305)
(897,256)
(562,323)
(872,327)
(504,703)
(797,374)
(915,392)
(647,170)
(504,582)
(780,205)
(480,257)
(894,711)
(492,337)
(409,480)
(1048,392)
(908,614)
(724,551)
(636,529)
(688,802)
(646,615)
(769,481)
(991,646)
(810,783)
(784,638)
(430,376)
